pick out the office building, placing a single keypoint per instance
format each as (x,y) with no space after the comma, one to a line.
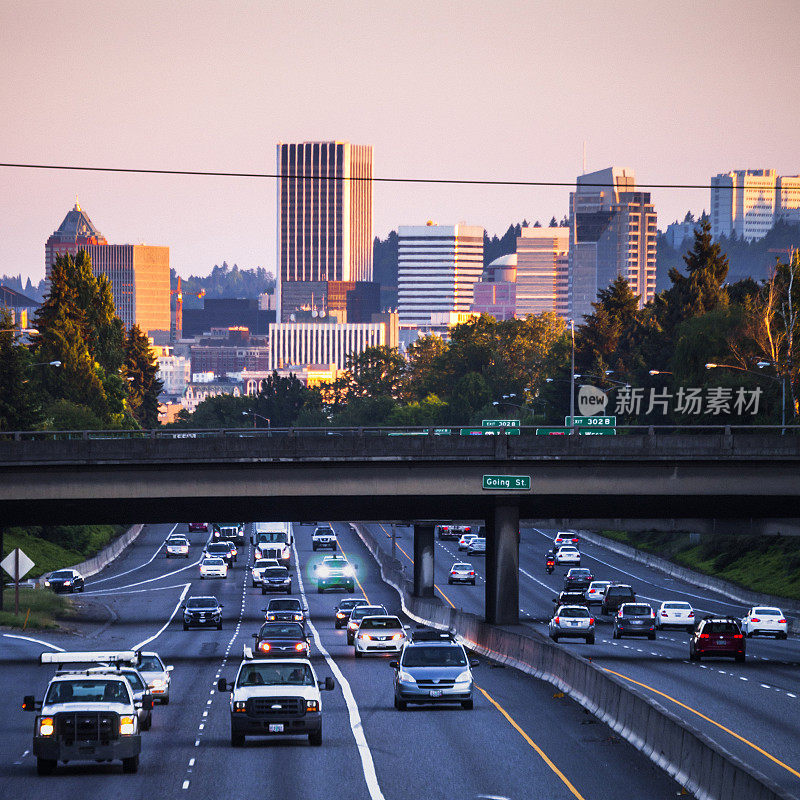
(74,233)
(438,266)
(226,312)
(21,308)
(542,274)
(324,207)
(343,301)
(612,232)
(787,199)
(304,343)
(174,372)
(495,293)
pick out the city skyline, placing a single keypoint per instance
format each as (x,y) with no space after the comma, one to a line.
(435,93)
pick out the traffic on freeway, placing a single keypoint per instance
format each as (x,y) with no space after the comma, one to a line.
(414,715)
(744,693)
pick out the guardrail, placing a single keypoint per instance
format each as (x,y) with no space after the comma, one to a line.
(698,764)
(382,430)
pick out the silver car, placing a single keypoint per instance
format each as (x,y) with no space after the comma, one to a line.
(594,594)
(572,621)
(477,547)
(157,675)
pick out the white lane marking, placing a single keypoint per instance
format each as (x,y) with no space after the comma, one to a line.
(106,592)
(650,583)
(151,580)
(186,784)
(367,764)
(791,695)
(197,743)
(21,757)
(149,561)
(35,641)
(741,678)
(141,644)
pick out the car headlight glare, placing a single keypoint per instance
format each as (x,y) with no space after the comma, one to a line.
(349,572)
(127,726)
(324,572)
(46,726)
(405,677)
(158,683)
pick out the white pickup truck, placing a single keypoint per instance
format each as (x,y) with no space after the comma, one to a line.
(275,697)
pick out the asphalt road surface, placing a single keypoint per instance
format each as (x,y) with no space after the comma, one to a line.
(521,741)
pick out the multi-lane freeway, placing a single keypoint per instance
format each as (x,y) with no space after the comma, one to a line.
(750,709)
(522,740)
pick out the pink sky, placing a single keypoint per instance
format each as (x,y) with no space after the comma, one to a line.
(509,90)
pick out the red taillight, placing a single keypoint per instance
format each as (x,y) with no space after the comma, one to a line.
(557,621)
(738,636)
(703,636)
(264,647)
(755,619)
(691,613)
(619,614)
(472,572)
(664,614)
(782,621)
(591,620)
(468,529)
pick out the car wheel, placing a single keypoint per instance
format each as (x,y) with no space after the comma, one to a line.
(334,548)
(590,640)
(147,724)
(651,636)
(468,705)
(400,705)
(82,588)
(740,658)
(314,548)
(449,582)
(315,738)
(263,590)
(46,766)
(202,577)
(358,653)
(165,700)
(237,739)
(554,637)
(473,582)
(131,764)
(185,626)
(784,636)
(693,656)
(219,625)
(749,634)
(253,584)
(319,590)
(289,589)
(615,635)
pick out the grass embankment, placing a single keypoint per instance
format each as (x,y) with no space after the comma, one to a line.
(46,609)
(768,564)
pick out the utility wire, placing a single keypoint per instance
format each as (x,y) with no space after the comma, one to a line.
(274,175)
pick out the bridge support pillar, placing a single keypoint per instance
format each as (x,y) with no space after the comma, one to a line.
(502,565)
(423,560)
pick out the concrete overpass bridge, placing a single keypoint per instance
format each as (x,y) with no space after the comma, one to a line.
(743,478)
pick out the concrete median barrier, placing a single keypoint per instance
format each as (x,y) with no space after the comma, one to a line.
(698,764)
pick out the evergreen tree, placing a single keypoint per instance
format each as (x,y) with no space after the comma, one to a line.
(19,409)
(141,370)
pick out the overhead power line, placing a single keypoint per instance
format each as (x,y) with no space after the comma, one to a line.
(274,175)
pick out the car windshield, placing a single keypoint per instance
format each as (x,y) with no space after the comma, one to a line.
(264,562)
(580,571)
(768,612)
(721,627)
(619,591)
(134,680)
(218,547)
(273,538)
(380,622)
(150,664)
(323,532)
(462,566)
(178,540)
(434,656)
(334,562)
(477,542)
(366,611)
(284,605)
(276,572)
(87,691)
(281,629)
(61,574)
(678,606)
(276,675)
(201,602)
(346,604)
(637,611)
(569,549)
(573,612)
(213,562)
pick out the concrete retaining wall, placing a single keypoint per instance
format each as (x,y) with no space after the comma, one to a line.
(701,766)
(729,590)
(93,565)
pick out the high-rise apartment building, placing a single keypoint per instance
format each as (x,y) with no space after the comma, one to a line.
(543,271)
(139,273)
(746,203)
(437,267)
(324,212)
(612,232)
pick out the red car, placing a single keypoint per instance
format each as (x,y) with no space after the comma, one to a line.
(717,636)
(198,526)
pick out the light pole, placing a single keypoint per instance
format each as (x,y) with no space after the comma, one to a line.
(266,419)
(761,365)
(572,377)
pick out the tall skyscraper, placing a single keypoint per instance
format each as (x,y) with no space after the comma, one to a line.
(612,232)
(139,273)
(747,202)
(543,271)
(324,212)
(437,266)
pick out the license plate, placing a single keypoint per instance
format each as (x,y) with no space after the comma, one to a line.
(574,624)
(276,727)
(435,692)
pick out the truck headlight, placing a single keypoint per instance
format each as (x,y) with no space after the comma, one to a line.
(46,726)
(127,726)
(323,572)
(158,684)
(240,706)
(312,705)
(298,617)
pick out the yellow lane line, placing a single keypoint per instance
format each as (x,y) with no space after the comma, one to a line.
(707,719)
(533,744)
(435,586)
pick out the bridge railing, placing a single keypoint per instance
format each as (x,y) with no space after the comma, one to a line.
(390,431)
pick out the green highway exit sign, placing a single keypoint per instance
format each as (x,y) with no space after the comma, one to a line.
(500,423)
(507,482)
(592,422)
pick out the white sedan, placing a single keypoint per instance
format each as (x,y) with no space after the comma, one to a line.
(466,538)
(379,634)
(675,613)
(765,620)
(568,554)
(213,568)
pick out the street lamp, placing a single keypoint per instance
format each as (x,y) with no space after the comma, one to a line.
(572,376)
(19,330)
(266,419)
(46,364)
(761,365)
(660,372)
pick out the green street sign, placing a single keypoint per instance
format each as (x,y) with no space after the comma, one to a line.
(500,423)
(592,422)
(520,483)
(436,432)
(490,431)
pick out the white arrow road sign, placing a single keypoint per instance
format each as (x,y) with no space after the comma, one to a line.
(25,564)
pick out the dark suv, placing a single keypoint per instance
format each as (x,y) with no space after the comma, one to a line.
(635,619)
(202,611)
(614,596)
(717,636)
(221,550)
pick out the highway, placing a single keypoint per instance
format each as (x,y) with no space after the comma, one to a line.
(750,709)
(520,741)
